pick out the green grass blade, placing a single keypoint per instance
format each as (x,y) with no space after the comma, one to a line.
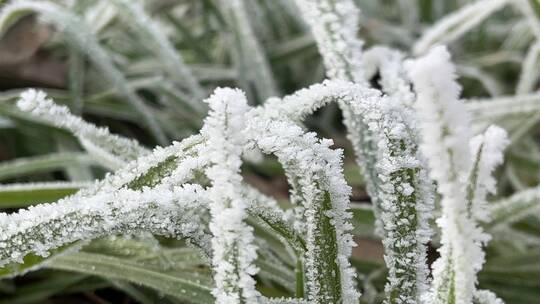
(516,207)
(78,33)
(153,37)
(25,195)
(134,272)
(247,52)
(40,164)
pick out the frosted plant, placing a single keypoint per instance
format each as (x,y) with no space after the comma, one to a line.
(82,39)
(383,133)
(487,151)
(486,297)
(334,25)
(149,31)
(320,188)
(212,142)
(463,176)
(388,63)
(233,249)
(111,150)
(160,211)
(247,51)
(405,194)
(194,189)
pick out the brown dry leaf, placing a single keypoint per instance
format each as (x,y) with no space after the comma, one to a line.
(22,63)
(22,40)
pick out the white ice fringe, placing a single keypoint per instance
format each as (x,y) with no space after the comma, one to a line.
(389,64)
(434,80)
(234,251)
(112,150)
(486,297)
(445,128)
(487,150)
(399,185)
(334,25)
(44,227)
(314,172)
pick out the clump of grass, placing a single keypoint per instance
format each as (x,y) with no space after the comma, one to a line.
(184,220)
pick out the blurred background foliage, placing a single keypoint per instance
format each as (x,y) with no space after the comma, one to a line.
(97,57)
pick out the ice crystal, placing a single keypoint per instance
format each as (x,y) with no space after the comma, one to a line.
(487,149)
(234,251)
(446,137)
(113,150)
(486,297)
(41,228)
(402,187)
(334,25)
(314,172)
(389,64)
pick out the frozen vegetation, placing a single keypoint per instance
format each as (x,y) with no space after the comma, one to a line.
(427,156)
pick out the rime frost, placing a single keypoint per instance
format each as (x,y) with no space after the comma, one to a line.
(41,228)
(158,191)
(446,137)
(486,297)
(113,150)
(389,64)
(314,172)
(398,170)
(335,25)
(487,150)
(234,251)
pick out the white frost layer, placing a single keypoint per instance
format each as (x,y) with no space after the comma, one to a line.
(487,149)
(314,169)
(398,172)
(389,64)
(334,25)
(234,250)
(486,297)
(44,227)
(112,149)
(446,137)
